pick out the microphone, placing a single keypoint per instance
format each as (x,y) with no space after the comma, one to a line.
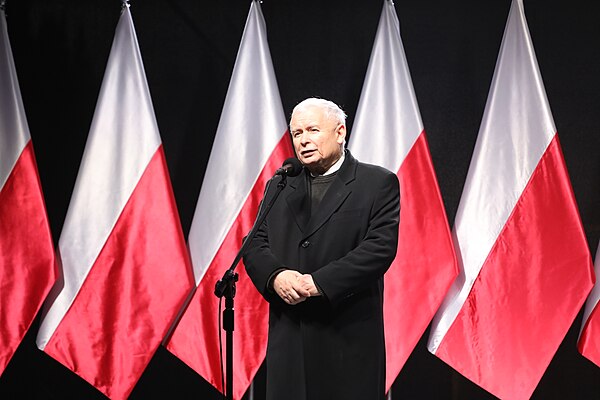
(291,167)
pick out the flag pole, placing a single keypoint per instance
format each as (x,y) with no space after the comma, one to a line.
(251,391)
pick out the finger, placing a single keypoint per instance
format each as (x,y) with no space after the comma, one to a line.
(295,295)
(288,295)
(292,297)
(301,288)
(294,302)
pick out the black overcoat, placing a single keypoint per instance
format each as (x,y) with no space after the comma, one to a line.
(329,347)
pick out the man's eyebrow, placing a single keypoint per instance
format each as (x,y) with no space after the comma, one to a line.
(307,126)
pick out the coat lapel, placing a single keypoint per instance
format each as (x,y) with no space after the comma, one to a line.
(298,200)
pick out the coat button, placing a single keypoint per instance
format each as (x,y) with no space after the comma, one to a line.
(305,244)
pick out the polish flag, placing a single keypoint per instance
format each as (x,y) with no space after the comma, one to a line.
(27,262)
(125,267)
(525,267)
(250,144)
(388,131)
(589,338)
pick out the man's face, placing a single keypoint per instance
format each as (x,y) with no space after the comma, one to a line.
(317,139)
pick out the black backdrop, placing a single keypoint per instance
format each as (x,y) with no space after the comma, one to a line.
(319,48)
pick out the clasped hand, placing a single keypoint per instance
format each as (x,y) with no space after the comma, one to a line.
(294,287)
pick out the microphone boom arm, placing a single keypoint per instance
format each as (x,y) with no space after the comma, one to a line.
(219,286)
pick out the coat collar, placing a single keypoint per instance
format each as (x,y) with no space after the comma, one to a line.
(339,190)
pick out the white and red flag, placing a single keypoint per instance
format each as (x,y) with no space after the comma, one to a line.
(388,131)
(125,267)
(250,144)
(589,337)
(525,267)
(27,267)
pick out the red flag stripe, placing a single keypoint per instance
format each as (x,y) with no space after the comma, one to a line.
(425,264)
(27,268)
(514,302)
(195,340)
(132,292)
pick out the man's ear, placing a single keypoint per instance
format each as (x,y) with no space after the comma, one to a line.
(341,133)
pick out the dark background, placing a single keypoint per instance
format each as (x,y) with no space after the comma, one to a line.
(319,48)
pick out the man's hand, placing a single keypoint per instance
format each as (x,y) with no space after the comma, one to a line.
(288,286)
(307,283)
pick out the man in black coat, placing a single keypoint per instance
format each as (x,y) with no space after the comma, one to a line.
(319,260)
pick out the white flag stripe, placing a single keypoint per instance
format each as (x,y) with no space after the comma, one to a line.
(236,160)
(105,190)
(398,124)
(594,295)
(11,104)
(504,150)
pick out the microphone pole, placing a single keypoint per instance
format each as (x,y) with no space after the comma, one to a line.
(226,285)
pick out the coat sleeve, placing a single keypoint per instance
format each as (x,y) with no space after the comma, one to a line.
(372,257)
(261,264)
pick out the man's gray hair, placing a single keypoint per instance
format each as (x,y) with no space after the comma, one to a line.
(332,110)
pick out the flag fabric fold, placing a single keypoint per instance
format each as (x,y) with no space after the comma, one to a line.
(252,141)
(388,131)
(125,267)
(525,267)
(589,337)
(27,261)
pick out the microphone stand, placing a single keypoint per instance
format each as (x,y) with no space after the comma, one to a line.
(226,287)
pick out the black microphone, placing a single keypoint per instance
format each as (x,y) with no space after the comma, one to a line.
(291,167)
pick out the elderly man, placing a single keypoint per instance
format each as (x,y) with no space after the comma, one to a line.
(319,260)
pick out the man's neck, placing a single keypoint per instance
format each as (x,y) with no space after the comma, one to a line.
(334,167)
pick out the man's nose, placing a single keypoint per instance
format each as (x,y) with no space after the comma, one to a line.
(304,139)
